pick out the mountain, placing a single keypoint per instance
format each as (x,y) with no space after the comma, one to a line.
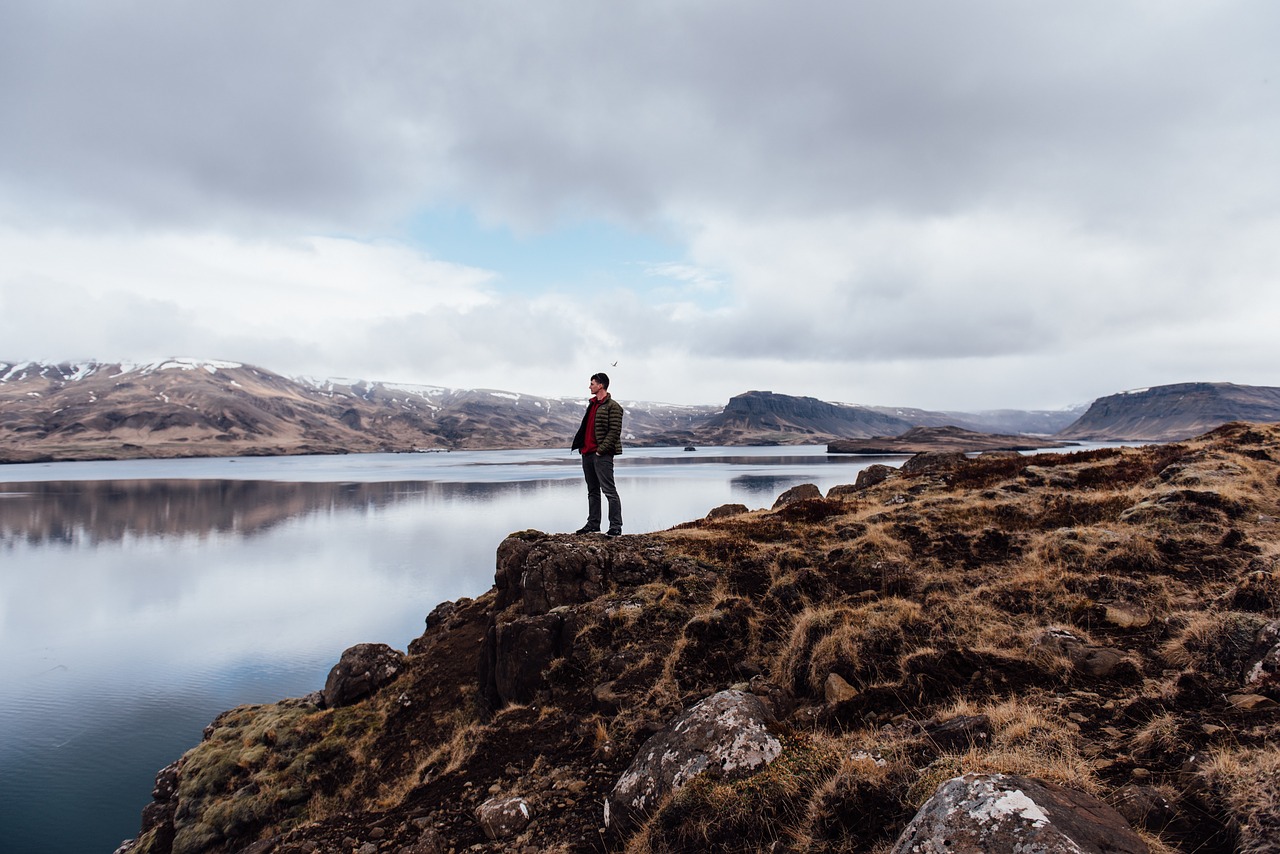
(1171,413)
(1021,653)
(770,418)
(185,407)
(189,408)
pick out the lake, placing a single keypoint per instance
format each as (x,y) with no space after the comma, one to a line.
(138,599)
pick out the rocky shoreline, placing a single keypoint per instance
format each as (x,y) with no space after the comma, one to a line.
(1006,653)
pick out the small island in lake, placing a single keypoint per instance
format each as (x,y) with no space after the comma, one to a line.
(918,440)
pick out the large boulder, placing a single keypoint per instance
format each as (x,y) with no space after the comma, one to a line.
(803,492)
(363,669)
(933,461)
(727,732)
(873,474)
(1009,814)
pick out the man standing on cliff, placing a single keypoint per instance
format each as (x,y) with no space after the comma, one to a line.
(598,440)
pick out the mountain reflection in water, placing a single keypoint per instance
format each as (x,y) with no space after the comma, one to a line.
(96,512)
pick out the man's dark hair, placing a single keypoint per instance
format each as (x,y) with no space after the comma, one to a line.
(603,379)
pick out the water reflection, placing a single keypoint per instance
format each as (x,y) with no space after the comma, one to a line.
(761,485)
(90,513)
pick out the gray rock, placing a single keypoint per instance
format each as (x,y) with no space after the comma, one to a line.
(1009,814)
(503,818)
(836,689)
(363,669)
(727,732)
(803,492)
(926,461)
(726,510)
(873,474)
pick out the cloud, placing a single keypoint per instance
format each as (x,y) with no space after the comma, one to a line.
(208,293)
(931,199)
(325,113)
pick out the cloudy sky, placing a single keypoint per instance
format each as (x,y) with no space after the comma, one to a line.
(950,205)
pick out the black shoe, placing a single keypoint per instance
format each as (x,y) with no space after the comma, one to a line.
(588,529)
(613,532)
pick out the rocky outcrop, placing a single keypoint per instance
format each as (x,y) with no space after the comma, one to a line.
(933,461)
(542,571)
(803,492)
(727,732)
(363,669)
(537,580)
(1171,413)
(517,651)
(1008,814)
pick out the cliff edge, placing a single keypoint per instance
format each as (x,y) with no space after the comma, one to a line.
(1171,413)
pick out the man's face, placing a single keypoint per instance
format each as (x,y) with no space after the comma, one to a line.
(595,387)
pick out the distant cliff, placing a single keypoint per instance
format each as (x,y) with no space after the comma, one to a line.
(785,419)
(1173,412)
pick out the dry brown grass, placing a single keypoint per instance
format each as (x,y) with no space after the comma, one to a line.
(1217,642)
(1248,784)
(1028,738)
(463,735)
(1158,736)
(860,643)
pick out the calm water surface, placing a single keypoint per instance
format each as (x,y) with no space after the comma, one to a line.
(139,599)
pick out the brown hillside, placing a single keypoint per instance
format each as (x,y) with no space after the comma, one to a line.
(1100,620)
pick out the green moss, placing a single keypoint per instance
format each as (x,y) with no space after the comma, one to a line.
(260,766)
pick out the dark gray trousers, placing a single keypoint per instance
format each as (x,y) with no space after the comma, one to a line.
(598,470)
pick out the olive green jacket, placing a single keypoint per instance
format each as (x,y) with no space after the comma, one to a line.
(608,428)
